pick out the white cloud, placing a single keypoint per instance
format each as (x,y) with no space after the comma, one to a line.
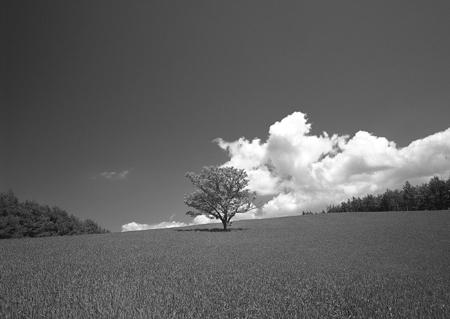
(198,220)
(299,171)
(302,171)
(114,176)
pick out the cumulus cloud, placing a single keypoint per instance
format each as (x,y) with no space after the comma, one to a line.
(114,176)
(298,171)
(301,171)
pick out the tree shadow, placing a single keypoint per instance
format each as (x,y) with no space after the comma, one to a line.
(212,229)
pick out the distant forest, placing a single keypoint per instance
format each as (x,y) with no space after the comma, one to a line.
(434,195)
(30,219)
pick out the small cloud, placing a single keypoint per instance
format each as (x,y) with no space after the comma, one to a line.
(199,220)
(133,226)
(114,176)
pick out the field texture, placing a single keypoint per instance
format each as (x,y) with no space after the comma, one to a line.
(353,265)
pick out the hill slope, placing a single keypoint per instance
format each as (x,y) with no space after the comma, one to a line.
(330,265)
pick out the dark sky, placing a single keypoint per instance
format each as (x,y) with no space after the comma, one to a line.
(146,86)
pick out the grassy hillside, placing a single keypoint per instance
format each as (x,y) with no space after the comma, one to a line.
(349,265)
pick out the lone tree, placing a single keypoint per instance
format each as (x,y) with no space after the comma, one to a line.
(220,193)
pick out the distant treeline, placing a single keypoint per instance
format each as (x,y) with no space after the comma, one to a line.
(434,195)
(30,219)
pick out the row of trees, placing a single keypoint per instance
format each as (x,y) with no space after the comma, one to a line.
(434,195)
(30,219)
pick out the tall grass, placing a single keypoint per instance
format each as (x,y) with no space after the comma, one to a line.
(370,265)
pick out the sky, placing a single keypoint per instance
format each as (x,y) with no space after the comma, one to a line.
(106,105)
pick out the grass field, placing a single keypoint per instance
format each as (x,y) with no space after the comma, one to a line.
(354,265)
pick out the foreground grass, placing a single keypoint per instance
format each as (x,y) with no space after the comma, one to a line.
(379,265)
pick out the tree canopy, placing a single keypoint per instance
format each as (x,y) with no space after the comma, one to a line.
(221,193)
(30,219)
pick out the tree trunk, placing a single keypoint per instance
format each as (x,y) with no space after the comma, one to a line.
(225,224)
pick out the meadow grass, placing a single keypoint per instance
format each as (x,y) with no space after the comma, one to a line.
(352,265)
